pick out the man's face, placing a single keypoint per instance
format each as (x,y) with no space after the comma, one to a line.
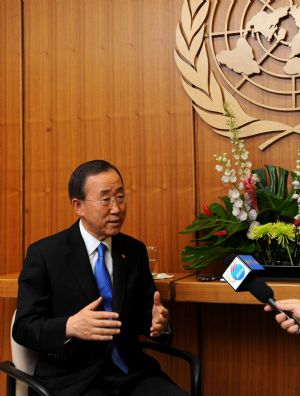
(104,209)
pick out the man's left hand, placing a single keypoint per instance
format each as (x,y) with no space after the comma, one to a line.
(160,316)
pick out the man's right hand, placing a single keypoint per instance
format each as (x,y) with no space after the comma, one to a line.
(90,324)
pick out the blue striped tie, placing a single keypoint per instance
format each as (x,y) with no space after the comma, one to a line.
(105,289)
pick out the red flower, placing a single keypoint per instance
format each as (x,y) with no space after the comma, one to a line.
(207,211)
(249,187)
(220,233)
(297,223)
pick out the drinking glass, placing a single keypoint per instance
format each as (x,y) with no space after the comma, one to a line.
(152,254)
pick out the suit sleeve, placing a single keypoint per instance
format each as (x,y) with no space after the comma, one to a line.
(34,326)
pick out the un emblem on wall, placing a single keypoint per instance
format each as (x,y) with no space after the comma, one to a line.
(255,48)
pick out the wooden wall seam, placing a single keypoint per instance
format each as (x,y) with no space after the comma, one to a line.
(22,126)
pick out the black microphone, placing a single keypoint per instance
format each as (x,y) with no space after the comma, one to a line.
(241,269)
(241,276)
(265,294)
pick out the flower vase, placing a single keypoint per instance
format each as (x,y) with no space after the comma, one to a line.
(283,271)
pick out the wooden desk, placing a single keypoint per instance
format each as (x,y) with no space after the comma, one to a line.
(185,287)
(166,286)
(189,289)
(9,285)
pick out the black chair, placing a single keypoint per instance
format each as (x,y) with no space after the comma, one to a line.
(193,360)
(14,375)
(20,371)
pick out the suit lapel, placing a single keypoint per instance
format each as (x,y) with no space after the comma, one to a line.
(80,265)
(120,272)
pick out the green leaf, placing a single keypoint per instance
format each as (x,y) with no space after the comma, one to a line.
(282,183)
(273,178)
(274,196)
(201,256)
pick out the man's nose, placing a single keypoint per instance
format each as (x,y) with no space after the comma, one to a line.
(114,206)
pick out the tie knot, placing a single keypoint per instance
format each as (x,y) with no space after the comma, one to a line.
(101,249)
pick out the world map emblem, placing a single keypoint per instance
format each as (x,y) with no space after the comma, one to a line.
(255,48)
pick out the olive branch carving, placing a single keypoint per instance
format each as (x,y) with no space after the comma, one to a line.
(199,82)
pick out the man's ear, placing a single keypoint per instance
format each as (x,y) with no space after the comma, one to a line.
(77,206)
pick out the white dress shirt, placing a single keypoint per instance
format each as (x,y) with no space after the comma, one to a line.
(91,244)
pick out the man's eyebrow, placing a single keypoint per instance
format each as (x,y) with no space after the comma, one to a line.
(108,190)
(104,191)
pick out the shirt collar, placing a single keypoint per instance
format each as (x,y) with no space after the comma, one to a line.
(90,241)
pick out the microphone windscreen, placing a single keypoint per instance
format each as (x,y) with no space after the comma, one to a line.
(260,290)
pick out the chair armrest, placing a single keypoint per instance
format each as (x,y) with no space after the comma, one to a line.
(192,359)
(8,368)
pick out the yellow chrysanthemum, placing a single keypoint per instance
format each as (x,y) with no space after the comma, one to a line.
(283,232)
(260,231)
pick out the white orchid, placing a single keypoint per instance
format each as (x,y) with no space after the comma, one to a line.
(233,194)
(242,215)
(238,203)
(243,203)
(252,214)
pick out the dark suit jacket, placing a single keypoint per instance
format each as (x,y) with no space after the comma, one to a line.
(56,282)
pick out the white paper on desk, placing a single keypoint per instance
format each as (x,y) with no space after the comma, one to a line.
(161,275)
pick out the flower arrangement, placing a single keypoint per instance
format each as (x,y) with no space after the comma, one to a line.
(260,214)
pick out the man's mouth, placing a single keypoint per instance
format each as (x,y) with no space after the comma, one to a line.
(115,221)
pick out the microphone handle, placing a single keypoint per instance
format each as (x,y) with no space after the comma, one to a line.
(288,314)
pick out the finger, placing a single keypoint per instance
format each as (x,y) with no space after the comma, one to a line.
(107,323)
(100,337)
(287,323)
(293,329)
(105,331)
(159,326)
(281,317)
(289,326)
(268,308)
(156,298)
(94,305)
(156,332)
(106,315)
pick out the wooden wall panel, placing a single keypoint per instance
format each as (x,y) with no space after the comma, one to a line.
(11,159)
(10,137)
(101,83)
(245,353)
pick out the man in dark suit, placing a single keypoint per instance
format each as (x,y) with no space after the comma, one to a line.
(61,315)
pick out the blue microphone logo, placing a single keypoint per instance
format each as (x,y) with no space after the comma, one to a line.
(237,271)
